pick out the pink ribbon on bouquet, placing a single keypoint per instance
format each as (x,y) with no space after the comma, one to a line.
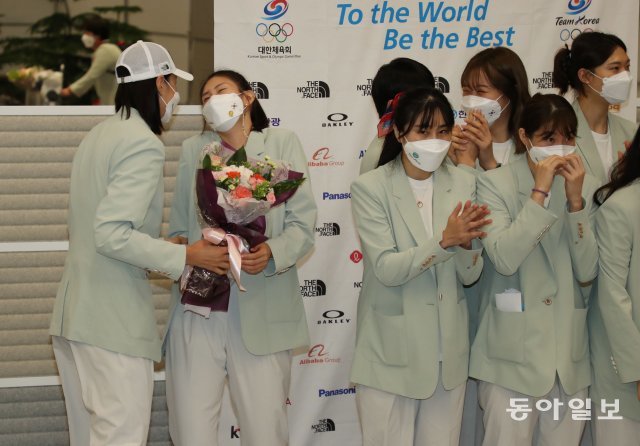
(235,247)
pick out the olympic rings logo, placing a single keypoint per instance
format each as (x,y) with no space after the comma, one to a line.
(570,34)
(274,31)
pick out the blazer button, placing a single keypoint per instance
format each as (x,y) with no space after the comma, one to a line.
(440,296)
(547,301)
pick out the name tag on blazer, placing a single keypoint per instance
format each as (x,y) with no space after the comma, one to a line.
(510,301)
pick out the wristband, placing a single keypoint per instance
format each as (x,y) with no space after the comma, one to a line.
(546,194)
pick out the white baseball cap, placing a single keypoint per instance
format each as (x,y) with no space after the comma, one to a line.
(147,60)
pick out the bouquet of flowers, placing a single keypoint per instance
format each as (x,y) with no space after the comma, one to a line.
(233,196)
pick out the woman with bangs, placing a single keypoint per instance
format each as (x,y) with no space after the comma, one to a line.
(416,222)
(532,341)
(495,87)
(596,69)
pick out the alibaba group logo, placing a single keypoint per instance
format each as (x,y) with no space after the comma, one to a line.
(578,6)
(316,351)
(321,154)
(275,9)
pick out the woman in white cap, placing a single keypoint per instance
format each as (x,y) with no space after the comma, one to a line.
(103,328)
(248,342)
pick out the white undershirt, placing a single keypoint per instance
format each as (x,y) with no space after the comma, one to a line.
(423,193)
(502,151)
(605,149)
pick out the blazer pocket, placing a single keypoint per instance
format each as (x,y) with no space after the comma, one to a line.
(579,335)
(387,339)
(505,337)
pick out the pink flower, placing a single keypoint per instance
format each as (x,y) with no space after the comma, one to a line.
(219,175)
(241,192)
(271,197)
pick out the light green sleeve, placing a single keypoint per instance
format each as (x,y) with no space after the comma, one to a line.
(134,175)
(509,241)
(391,266)
(615,241)
(298,237)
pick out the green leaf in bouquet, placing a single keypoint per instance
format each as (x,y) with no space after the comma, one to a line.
(206,162)
(287,185)
(239,158)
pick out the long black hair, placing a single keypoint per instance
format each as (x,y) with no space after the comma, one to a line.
(141,95)
(420,103)
(624,172)
(259,119)
(589,50)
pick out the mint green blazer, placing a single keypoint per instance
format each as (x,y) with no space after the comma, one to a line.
(115,212)
(615,331)
(621,130)
(545,254)
(411,286)
(272,315)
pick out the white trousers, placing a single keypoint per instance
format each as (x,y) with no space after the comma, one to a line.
(387,419)
(201,353)
(107,395)
(625,432)
(500,429)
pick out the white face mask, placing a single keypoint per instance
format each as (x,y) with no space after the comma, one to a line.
(222,111)
(538,154)
(170,106)
(426,154)
(616,88)
(490,108)
(88,40)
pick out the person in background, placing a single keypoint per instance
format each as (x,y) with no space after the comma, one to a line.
(596,69)
(615,325)
(412,349)
(400,74)
(532,341)
(250,342)
(495,88)
(104,331)
(95,35)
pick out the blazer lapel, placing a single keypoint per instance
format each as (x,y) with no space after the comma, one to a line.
(587,146)
(617,133)
(255,145)
(443,200)
(406,203)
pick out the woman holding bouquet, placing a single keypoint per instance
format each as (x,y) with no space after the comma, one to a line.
(416,222)
(249,340)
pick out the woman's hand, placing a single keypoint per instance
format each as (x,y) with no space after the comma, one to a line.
(462,151)
(543,174)
(573,173)
(208,256)
(257,259)
(478,133)
(463,225)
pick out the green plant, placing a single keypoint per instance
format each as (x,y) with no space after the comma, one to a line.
(55,43)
